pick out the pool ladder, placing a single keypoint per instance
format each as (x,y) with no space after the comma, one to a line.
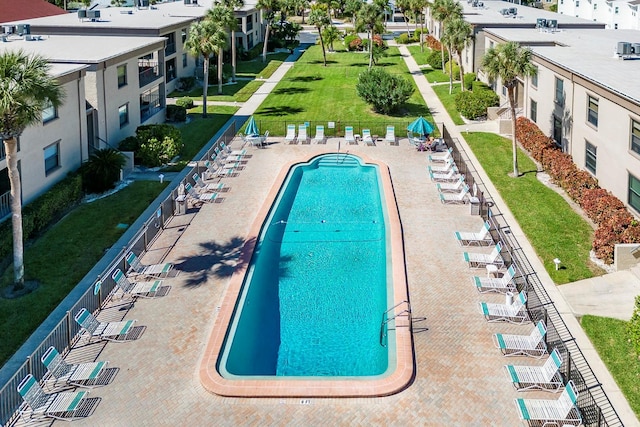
(406,312)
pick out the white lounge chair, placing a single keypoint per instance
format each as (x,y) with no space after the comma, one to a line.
(451,187)
(66,374)
(441,157)
(546,377)
(137,268)
(480,260)
(366,137)
(290,137)
(231,152)
(446,167)
(481,238)
(208,187)
(455,198)
(348,135)
(390,137)
(264,138)
(110,331)
(451,176)
(523,345)
(149,289)
(200,197)
(496,284)
(319,138)
(516,312)
(37,404)
(302,134)
(414,140)
(561,412)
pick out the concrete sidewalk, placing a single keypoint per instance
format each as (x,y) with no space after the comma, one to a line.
(609,385)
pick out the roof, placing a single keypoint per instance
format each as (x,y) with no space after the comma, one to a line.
(12,10)
(588,53)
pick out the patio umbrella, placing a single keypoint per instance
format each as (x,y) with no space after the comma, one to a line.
(252,127)
(420,126)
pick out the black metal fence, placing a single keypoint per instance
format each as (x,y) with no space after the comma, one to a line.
(593,403)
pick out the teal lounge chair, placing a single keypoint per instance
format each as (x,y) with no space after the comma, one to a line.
(560,412)
(546,377)
(496,284)
(149,289)
(81,374)
(136,268)
(110,331)
(62,406)
(516,312)
(523,345)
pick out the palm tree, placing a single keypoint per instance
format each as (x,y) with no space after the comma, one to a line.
(26,90)
(404,6)
(456,36)
(268,8)
(320,19)
(200,42)
(220,17)
(369,18)
(506,62)
(445,11)
(331,34)
(233,26)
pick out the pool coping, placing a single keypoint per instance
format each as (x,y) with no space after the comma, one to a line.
(386,385)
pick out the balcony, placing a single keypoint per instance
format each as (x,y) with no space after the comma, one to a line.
(148,71)
(170,49)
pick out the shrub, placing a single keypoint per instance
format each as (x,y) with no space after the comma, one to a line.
(353,42)
(102,170)
(130,143)
(599,204)
(176,113)
(185,102)
(404,39)
(434,43)
(469,78)
(633,327)
(474,104)
(382,90)
(158,144)
(455,70)
(186,83)
(435,59)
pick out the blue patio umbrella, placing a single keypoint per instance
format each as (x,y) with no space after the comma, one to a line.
(420,126)
(252,127)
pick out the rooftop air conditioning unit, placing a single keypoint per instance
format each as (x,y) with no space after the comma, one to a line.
(480,4)
(8,29)
(624,48)
(23,29)
(82,13)
(541,23)
(552,23)
(513,11)
(93,14)
(636,48)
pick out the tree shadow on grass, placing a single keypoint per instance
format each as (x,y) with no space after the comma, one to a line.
(215,259)
(280,111)
(290,90)
(305,79)
(319,61)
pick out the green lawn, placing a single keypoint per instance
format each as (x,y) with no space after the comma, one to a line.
(311,92)
(64,255)
(554,229)
(448,100)
(435,76)
(609,338)
(419,56)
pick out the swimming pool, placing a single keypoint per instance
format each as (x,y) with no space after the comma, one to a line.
(305,318)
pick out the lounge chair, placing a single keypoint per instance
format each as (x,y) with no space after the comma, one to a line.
(441,157)
(200,197)
(414,140)
(523,345)
(481,238)
(451,176)
(546,377)
(348,135)
(451,187)
(319,138)
(138,289)
(208,187)
(290,137)
(479,260)
(231,152)
(516,312)
(67,374)
(61,406)
(496,284)
(390,137)
(228,156)
(263,139)
(302,134)
(455,198)
(561,412)
(110,331)
(366,137)
(446,167)
(136,268)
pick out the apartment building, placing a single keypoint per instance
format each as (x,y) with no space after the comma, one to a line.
(616,14)
(585,95)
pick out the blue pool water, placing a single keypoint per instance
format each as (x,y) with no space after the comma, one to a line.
(313,299)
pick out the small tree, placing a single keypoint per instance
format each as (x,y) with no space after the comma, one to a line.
(633,327)
(102,170)
(382,90)
(330,35)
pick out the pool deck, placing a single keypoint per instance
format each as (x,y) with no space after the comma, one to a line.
(459,377)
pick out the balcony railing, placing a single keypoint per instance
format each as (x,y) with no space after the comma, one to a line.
(5,205)
(148,71)
(170,49)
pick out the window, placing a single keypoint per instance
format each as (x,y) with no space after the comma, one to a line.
(557,130)
(123,113)
(150,103)
(490,44)
(170,70)
(616,10)
(534,77)
(561,1)
(504,91)
(592,111)
(615,26)
(590,155)
(183,32)
(634,192)
(122,75)
(577,3)
(184,60)
(49,113)
(51,158)
(635,136)
(559,99)
(533,111)
(595,6)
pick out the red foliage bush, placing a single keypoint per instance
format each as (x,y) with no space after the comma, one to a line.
(433,43)
(599,204)
(377,40)
(610,233)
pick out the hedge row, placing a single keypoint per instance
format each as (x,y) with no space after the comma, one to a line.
(615,223)
(43,211)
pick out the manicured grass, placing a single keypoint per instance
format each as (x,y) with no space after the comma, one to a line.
(258,69)
(311,91)
(609,338)
(64,255)
(448,100)
(435,76)
(419,56)
(554,229)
